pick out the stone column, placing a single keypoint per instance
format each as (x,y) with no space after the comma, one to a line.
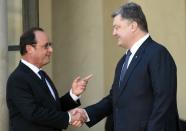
(3,66)
(78,49)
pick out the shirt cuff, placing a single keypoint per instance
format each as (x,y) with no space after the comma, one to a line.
(88,119)
(74,97)
(69,118)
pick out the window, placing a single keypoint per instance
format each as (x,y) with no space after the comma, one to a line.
(22,14)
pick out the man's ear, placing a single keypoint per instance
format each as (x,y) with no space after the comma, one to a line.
(29,49)
(134,26)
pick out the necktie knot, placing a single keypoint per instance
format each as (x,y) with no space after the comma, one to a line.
(129,53)
(42,74)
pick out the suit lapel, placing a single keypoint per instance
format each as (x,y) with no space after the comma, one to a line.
(36,79)
(136,59)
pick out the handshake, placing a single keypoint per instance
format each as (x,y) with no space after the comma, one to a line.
(78,117)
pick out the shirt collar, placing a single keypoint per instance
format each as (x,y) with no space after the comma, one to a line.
(34,68)
(136,45)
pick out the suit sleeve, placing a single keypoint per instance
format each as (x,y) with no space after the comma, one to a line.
(65,99)
(163,78)
(71,103)
(20,95)
(98,111)
(103,108)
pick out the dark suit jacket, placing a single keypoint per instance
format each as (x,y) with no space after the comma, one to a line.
(109,124)
(32,107)
(146,100)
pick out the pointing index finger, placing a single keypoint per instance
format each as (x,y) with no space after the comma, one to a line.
(87,78)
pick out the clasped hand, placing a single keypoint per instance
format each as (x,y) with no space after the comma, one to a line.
(78,117)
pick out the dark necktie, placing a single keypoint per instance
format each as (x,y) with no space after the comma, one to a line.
(124,67)
(44,78)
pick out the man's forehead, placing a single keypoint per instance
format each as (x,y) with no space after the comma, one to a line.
(117,19)
(120,20)
(37,32)
(40,34)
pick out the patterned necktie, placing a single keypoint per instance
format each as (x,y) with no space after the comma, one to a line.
(124,67)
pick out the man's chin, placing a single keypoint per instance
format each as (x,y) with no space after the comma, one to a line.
(120,45)
(47,62)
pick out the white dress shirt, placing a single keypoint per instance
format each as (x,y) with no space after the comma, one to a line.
(135,47)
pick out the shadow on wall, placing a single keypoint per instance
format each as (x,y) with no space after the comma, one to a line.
(109,125)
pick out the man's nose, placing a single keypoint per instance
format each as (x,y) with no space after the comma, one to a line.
(114,33)
(50,49)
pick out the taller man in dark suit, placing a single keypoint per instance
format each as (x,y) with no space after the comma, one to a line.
(143,94)
(33,101)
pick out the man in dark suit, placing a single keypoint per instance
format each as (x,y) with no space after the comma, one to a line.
(143,94)
(33,101)
(109,124)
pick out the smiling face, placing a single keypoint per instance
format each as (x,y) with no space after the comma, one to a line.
(40,52)
(122,30)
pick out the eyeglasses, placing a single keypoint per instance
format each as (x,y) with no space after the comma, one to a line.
(46,46)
